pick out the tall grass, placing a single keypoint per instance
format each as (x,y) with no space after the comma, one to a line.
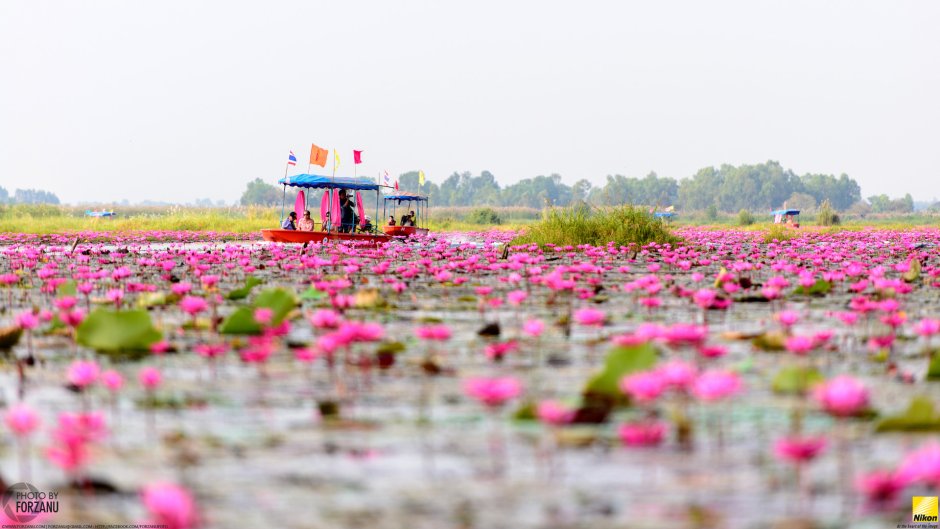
(583,224)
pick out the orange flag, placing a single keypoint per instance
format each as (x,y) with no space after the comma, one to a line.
(318,155)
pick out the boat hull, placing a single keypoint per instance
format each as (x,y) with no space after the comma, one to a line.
(304,237)
(403,231)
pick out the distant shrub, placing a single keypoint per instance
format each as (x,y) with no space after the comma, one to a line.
(826,215)
(711,213)
(780,232)
(745,218)
(484,216)
(622,225)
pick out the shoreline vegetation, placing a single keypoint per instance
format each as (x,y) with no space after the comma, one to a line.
(63,219)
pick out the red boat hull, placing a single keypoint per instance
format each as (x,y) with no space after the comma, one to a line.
(301,237)
(404,231)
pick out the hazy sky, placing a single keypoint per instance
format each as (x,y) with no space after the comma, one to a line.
(175,100)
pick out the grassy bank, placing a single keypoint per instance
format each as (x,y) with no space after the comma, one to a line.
(623,225)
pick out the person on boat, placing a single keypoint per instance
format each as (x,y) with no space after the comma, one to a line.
(327,225)
(407,220)
(391,220)
(348,222)
(288,223)
(367,227)
(306,223)
(412,217)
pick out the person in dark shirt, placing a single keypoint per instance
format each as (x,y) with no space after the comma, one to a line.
(289,222)
(348,221)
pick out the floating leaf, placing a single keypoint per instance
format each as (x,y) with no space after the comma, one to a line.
(525,412)
(795,380)
(820,288)
(9,337)
(920,416)
(933,372)
(110,331)
(242,321)
(151,299)
(620,361)
(242,292)
(67,289)
(390,348)
(913,273)
(369,299)
(770,341)
(312,294)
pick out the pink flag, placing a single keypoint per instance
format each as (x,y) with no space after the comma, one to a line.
(300,204)
(324,206)
(360,210)
(357,156)
(336,215)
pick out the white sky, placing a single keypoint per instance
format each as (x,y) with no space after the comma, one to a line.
(175,100)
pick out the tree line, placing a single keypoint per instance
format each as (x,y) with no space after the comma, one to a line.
(27,196)
(727,188)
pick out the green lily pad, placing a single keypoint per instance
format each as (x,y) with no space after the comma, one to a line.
(242,292)
(920,416)
(242,321)
(620,361)
(118,332)
(933,372)
(151,299)
(913,273)
(390,348)
(794,380)
(770,341)
(820,288)
(68,288)
(312,294)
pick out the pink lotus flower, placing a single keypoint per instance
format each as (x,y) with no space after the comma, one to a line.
(716,384)
(440,333)
(798,449)
(112,380)
(705,298)
(843,396)
(590,317)
(170,505)
(927,327)
(787,318)
(72,318)
(644,386)
(193,305)
(923,465)
(65,303)
(533,328)
(263,316)
(326,319)
(211,350)
(554,413)
(158,348)
(712,351)
(677,373)
(516,297)
(492,392)
(881,487)
(642,433)
(27,320)
(82,373)
(150,378)
(181,289)
(21,419)
(800,345)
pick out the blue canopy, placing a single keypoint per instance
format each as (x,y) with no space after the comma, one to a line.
(401,197)
(785,212)
(326,182)
(664,214)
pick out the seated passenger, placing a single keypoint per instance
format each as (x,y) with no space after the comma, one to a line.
(306,223)
(413,218)
(367,227)
(288,223)
(391,220)
(327,225)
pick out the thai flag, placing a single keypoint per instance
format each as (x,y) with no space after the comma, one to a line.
(386,177)
(291,159)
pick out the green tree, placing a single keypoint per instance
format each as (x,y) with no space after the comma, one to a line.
(34,196)
(4,195)
(259,193)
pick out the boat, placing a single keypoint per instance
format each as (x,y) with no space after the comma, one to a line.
(362,232)
(99,214)
(421,212)
(787,217)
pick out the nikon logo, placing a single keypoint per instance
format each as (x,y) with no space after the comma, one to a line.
(924,508)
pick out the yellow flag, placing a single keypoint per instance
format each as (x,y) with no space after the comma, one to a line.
(335,160)
(420,178)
